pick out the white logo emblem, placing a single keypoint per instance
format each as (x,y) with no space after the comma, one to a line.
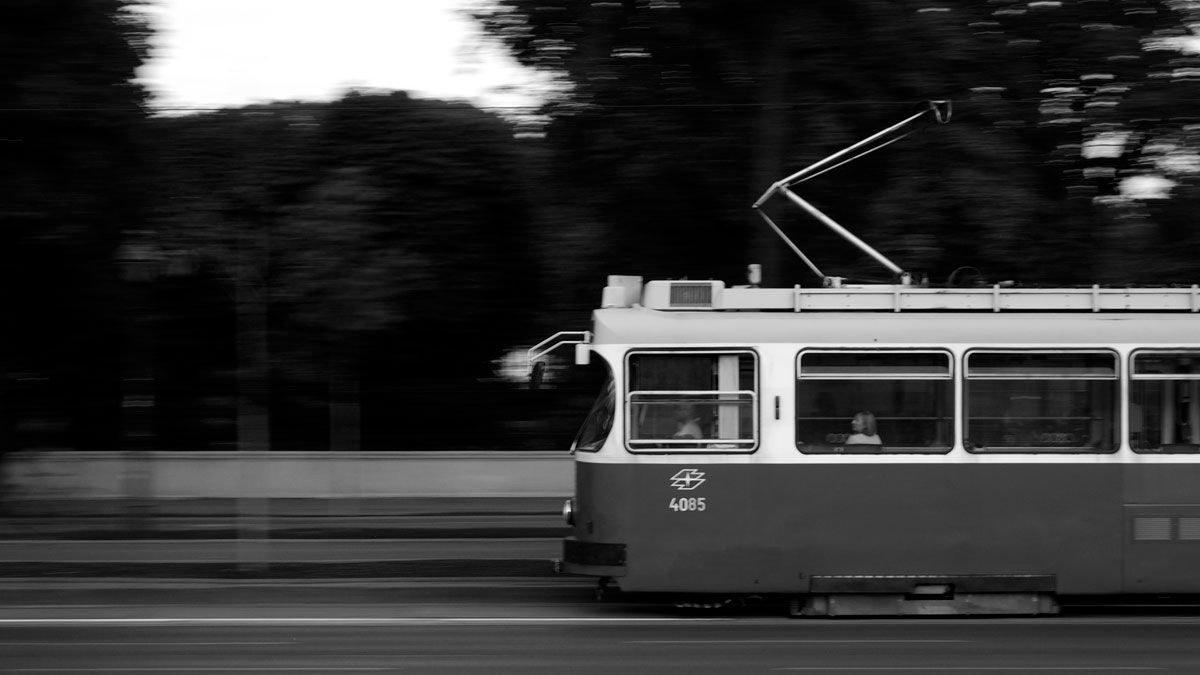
(687,479)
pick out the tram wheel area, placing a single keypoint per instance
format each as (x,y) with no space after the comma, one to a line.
(890,605)
(894,604)
(873,596)
(929,595)
(847,605)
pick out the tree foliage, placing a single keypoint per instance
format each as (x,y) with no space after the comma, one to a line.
(688,109)
(382,235)
(450,195)
(70,165)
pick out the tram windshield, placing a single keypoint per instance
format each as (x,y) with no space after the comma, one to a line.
(691,401)
(1041,401)
(599,421)
(1164,401)
(874,401)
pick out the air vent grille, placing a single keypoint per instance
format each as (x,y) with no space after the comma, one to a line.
(1189,529)
(691,295)
(1147,528)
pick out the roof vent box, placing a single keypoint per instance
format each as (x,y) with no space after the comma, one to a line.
(621,291)
(683,295)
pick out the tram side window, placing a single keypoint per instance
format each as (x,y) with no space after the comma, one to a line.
(909,395)
(692,402)
(1164,401)
(1033,401)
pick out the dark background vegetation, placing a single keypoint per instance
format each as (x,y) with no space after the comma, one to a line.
(344,275)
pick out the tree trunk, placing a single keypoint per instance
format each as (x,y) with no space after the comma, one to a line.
(345,421)
(253,425)
(138,404)
(345,415)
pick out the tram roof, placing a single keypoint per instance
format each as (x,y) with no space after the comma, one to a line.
(640,325)
(707,312)
(714,295)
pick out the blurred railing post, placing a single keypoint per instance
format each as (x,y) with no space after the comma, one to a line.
(345,422)
(253,421)
(140,266)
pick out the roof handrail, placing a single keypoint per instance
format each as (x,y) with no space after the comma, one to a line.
(559,339)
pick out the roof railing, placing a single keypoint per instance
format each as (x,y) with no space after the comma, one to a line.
(714,295)
(559,339)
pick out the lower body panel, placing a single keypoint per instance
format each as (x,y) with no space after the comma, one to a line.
(797,528)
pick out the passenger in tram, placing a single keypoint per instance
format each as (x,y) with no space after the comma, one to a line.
(863,426)
(687,422)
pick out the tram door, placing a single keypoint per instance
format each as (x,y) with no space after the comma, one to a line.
(1162,500)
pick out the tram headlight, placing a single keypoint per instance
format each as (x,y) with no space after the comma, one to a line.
(569,511)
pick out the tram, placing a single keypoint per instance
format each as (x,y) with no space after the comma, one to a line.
(893,449)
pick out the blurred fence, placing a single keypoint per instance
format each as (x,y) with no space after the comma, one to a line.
(202,475)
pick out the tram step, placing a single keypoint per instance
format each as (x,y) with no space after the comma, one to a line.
(895,604)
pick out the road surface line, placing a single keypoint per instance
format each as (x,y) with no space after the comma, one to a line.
(973,668)
(761,642)
(210,669)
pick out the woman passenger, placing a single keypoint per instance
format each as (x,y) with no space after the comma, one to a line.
(863,426)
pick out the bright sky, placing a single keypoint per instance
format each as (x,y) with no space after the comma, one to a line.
(215,53)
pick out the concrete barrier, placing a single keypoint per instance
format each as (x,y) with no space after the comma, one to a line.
(65,475)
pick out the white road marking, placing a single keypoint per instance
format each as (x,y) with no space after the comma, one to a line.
(975,668)
(209,669)
(815,642)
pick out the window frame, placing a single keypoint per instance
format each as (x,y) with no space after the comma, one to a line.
(1117,377)
(950,377)
(627,395)
(606,397)
(1133,377)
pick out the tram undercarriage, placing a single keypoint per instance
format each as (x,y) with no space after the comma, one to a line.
(928,595)
(911,595)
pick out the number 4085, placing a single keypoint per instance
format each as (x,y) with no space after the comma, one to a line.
(687,504)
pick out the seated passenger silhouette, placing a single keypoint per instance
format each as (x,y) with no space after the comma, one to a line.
(863,426)
(687,422)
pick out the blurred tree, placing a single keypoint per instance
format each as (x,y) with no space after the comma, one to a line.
(669,105)
(70,173)
(450,201)
(376,234)
(223,178)
(675,116)
(1090,73)
(337,274)
(648,134)
(453,194)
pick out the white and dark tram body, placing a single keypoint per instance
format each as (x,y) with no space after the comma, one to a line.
(1033,443)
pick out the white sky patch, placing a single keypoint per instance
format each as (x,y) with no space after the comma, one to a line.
(1179,162)
(1186,44)
(1109,144)
(1146,187)
(216,53)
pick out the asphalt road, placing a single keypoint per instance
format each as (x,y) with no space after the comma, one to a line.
(510,626)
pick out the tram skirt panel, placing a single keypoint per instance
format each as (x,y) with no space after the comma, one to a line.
(720,528)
